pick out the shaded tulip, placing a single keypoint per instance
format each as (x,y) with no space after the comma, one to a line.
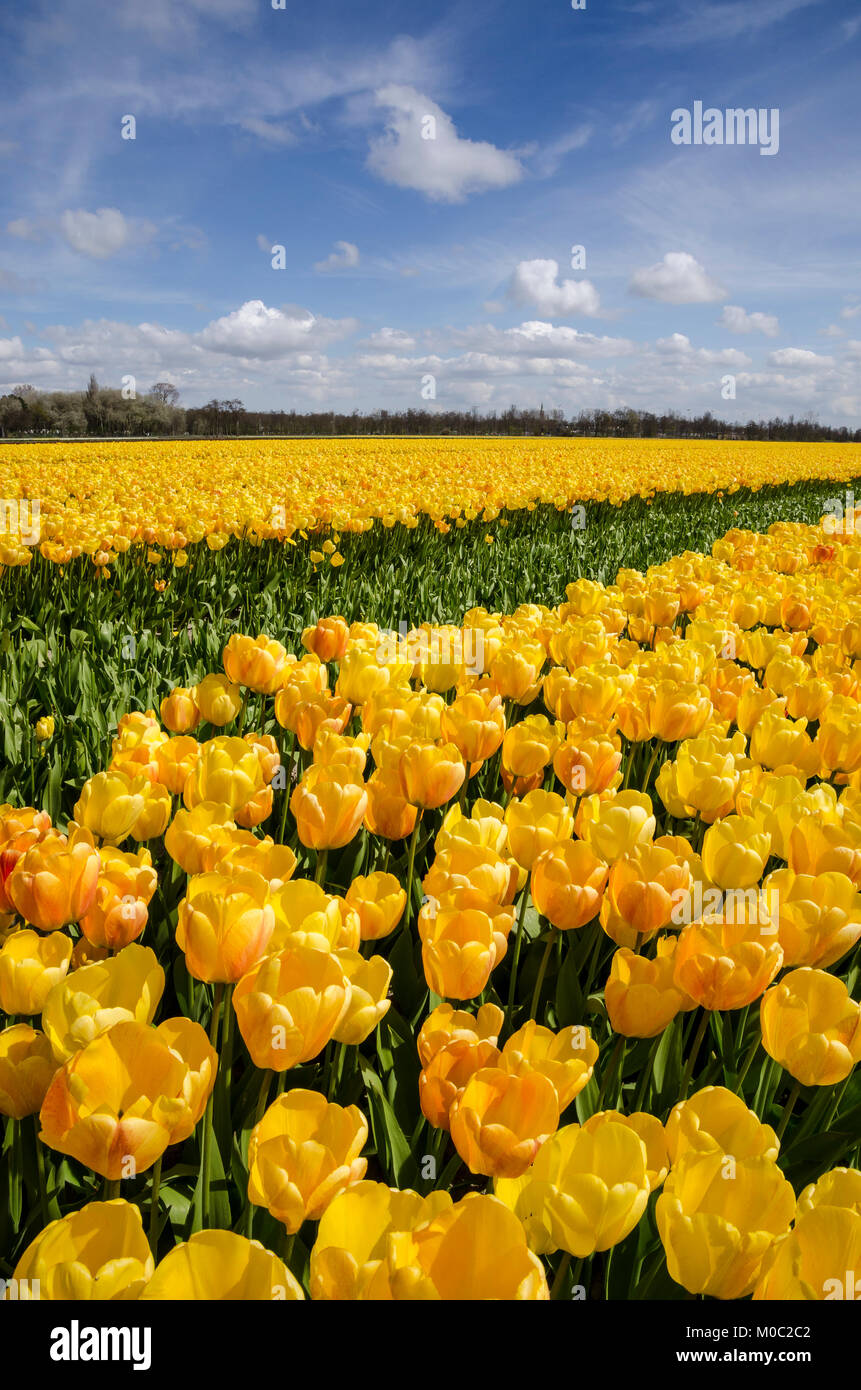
(302,1154)
(430,774)
(30,966)
(812,1027)
(119,912)
(328,639)
(820,1259)
(528,746)
(218,699)
(180,711)
(649,1129)
(388,813)
(644,886)
(220,1266)
(461,946)
(175,760)
(446,1073)
(819,916)
(727,964)
(370,980)
(537,823)
(193,837)
(499,1121)
(475,724)
(27,1067)
(97,1254)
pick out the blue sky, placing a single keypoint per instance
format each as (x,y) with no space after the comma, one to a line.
(428,169)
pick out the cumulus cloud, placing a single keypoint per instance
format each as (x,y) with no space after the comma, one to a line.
(677,279)
(738,320)
(799,357)
(421,149)
(254,330)
(390,340)
(679,345)
(103,233)
(537,284)
(344,257)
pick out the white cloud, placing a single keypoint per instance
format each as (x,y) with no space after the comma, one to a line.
(421,149)
(267,131)
(738,320)
(851,311)
(548,159)
(256,331)
(344,257)
(102,234)
(11,347)
(679,345)
(677,279)
(390,340)
(23,228)
(799,357)
(537,284)
(265,244)
(832,331)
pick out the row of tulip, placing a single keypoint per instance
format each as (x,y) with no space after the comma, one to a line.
(683,910)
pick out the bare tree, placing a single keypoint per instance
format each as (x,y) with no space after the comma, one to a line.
(165,392)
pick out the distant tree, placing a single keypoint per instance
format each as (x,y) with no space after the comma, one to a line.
(165,392)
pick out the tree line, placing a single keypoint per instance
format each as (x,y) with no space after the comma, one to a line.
(100,411)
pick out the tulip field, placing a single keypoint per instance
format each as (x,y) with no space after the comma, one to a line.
(430,869)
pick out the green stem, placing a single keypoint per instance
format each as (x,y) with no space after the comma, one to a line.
(694,1053)
(615,1055)
(410,866)
(559,1281)
(40,1170)
(322,860)
(518,941)
(153,1209)
(542,971)
(788,1109)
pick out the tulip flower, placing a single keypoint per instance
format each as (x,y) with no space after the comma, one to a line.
(717,1216)
(260,664)
(97,1254)
(430,774)
(54,883)
(110,804)
(819,1259)
(379,900)
(586,1190)
(644,886)
(640,995)
(735,852)
(220,1266)
(614,825)
(388,813)
(218,699)
(329,805)
(195,839)
(447,1024)
(812,1027)
(566,1058)
(819,916)
(528,746)
(180,711)
(348,1259)
(289,1005)
(224,924)
(461,946)
(175,760)
(446,1074)
(568,883)
(715,1119)
(120,912)
(649,1129)
(499,1121)
(840,1187)
(302,1154)
(93,998)
(726,964)
(27,1067)
(370,980)
(120,1101)
(475,724)
(328,639)
(227,771)
(474,1250)
(538,822)
(30,966)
